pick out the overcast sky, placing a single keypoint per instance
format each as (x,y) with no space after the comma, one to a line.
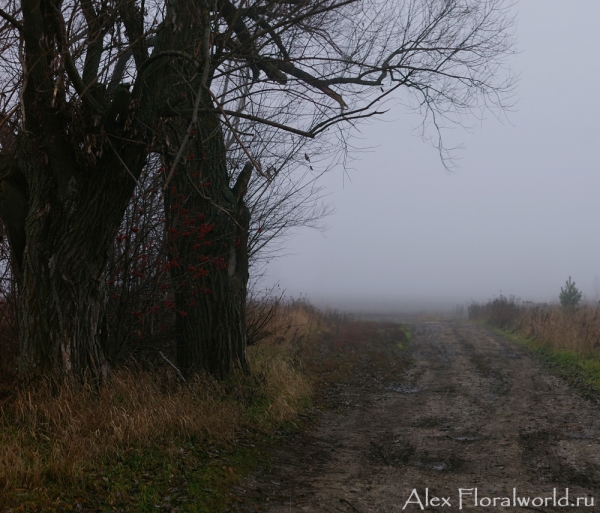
(520,215)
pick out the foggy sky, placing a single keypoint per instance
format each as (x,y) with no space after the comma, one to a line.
(519,216)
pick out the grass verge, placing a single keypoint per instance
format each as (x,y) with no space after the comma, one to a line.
(568,340)
(147,442)
(579,369)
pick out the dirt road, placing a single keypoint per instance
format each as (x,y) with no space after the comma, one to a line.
(472,411)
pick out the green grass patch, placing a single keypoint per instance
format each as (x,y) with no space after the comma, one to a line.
(185,477)
(582,371)
(407,331)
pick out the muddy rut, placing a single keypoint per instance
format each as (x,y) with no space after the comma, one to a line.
(471,414)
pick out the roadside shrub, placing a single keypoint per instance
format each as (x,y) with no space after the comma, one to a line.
(501,312)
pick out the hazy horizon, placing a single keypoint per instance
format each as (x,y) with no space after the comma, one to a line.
(518,217)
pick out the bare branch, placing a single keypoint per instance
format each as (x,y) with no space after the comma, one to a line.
(12,20)
(255,163)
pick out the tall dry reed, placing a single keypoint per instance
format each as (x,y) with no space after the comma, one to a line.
(577,331)
(552,325)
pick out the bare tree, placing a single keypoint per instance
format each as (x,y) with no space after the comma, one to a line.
(94,88)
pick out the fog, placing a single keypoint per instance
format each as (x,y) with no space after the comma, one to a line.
(519,216)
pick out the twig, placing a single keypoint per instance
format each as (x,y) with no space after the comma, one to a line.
(123,163)
(256,165)
(265,122)
(172,365)
(219,207)
(12,20)
(10,113)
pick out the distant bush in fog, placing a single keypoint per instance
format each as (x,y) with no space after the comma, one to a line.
(501,311)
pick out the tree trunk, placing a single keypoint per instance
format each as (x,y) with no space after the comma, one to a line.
(69,230)
(207,222)
(64,188)
(208,232)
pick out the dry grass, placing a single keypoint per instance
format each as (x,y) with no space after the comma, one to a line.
(577,331)
(559,329)
(51,435)
(569,340)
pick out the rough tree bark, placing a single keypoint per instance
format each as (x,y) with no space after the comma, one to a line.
(75,202)
(62,285)
(207,221)
(65,186)
(208,225)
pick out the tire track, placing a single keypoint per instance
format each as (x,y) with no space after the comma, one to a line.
(472,411)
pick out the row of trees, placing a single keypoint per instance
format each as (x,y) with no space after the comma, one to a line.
(186,122)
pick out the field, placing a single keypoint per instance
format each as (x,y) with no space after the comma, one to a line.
(338,414)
